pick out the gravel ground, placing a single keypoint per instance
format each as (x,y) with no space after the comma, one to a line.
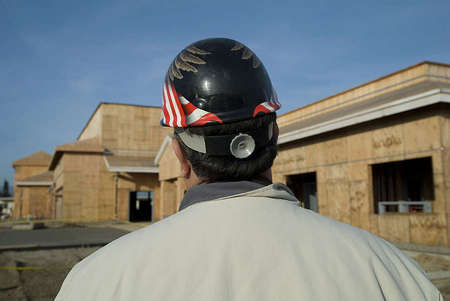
(38,275)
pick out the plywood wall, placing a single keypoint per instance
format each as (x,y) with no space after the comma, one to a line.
(36,202)
(342,162)
(133,129)
(93,127)
(58,176)
(21,173)
(89,189)
(444,184)
(82,186)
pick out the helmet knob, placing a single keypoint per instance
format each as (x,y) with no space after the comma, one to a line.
(242,146)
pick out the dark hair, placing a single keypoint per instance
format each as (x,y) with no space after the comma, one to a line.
(213,168)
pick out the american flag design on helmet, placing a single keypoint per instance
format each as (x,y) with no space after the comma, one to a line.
(268,107)
(177,111)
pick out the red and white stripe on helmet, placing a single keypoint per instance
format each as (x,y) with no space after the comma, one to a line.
(196,116)
(173,114)
(179,112)
(268,107)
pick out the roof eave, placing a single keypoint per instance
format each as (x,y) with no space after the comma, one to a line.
(166,141)
(34,183)
(55,159)
(59,153)
(131,169)
(402,105)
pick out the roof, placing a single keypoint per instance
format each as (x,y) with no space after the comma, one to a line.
(91,145)
(131,164)
(42,179)
(369,83)
(37,159)
(86,145)
(110,103)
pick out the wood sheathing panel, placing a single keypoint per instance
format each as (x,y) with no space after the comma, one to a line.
(24,168)
(36,202)
(93,127)
(342,161)
(58,176)
(21,173)
(82,192)
(35,196)
(445,184)
(132,129)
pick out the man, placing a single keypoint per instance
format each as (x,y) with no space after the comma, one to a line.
(237,235)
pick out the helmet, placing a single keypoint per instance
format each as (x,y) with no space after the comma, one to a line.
(216,81)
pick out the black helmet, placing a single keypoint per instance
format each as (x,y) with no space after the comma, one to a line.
(216,81)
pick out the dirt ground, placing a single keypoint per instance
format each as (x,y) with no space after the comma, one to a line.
(38,275)
(433,263)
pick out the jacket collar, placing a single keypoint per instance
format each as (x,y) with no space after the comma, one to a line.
(224,190)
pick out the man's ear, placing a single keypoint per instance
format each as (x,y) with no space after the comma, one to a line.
(184,163)
(276,131)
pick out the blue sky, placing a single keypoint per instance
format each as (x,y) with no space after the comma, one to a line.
(59,59)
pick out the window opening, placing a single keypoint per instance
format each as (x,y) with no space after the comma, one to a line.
(403,186)
(304,187)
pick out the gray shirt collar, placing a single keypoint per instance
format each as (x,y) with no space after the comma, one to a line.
(212,191)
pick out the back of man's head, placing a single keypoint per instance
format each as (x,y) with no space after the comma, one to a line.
(212,168)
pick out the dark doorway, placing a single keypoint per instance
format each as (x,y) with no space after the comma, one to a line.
(304,187)
(141,206)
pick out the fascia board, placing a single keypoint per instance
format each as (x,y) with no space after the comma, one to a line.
(162,148)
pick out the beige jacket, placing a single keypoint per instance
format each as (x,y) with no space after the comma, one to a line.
(254,246)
